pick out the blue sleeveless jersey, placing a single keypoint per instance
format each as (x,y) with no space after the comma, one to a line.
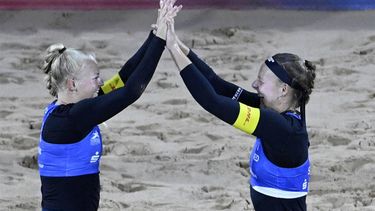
(272,180)
(64,160)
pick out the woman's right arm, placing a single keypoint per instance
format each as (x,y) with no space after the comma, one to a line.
(251,120)
(106,106)
(93,111)
(241,116)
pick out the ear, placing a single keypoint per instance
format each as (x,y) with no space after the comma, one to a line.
(70,84)
(284,89)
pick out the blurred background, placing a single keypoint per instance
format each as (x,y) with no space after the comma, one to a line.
(146,4)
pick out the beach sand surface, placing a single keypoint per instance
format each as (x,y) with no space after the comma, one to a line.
(165,152)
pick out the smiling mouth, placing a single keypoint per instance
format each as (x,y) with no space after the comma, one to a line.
(96,93)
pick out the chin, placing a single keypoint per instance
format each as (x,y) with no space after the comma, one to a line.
(95,94)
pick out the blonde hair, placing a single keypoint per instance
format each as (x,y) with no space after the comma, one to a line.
(59,63)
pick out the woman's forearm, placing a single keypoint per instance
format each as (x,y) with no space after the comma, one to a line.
(180,59)
(183,47)
(106,106)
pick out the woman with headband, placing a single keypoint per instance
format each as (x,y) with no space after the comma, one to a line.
(279,161)
(70,142)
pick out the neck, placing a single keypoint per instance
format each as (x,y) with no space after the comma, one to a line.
(64,99)
(284,105)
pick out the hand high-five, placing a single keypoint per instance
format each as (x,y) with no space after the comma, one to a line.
(167,11)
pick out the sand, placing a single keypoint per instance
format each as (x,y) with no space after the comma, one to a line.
(165,152)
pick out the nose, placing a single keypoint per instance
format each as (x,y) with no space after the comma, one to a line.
(255,84)
(100,81)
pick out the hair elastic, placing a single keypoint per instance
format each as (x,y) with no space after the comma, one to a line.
(62,50)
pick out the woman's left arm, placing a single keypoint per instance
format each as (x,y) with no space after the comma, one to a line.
(120,78)
(202,91)
(263,123)
(222,86)
(251,120)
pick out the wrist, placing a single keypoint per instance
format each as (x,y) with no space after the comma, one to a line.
(179,57)
(185,50)
(161,32)
(174,49)
(183,47)
(161,35)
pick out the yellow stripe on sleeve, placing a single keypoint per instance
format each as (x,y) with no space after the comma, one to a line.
(248,119)
(114,83)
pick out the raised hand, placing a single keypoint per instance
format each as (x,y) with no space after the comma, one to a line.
(167,12)
(180,59)
(161,13)
(172,40)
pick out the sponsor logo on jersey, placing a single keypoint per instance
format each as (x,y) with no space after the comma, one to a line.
(95,158)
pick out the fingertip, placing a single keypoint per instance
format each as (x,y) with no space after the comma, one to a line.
(179,8)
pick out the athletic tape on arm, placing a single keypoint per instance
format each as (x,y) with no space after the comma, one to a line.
(114,83)
(247,119)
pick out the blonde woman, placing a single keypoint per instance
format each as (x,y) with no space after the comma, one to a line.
(70,146)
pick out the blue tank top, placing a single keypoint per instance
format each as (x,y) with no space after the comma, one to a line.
(64,160)
(276,181)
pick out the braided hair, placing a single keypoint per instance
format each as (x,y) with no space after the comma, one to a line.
(302,73)
(59,63)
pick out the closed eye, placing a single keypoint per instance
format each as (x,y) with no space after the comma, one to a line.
(96,77)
